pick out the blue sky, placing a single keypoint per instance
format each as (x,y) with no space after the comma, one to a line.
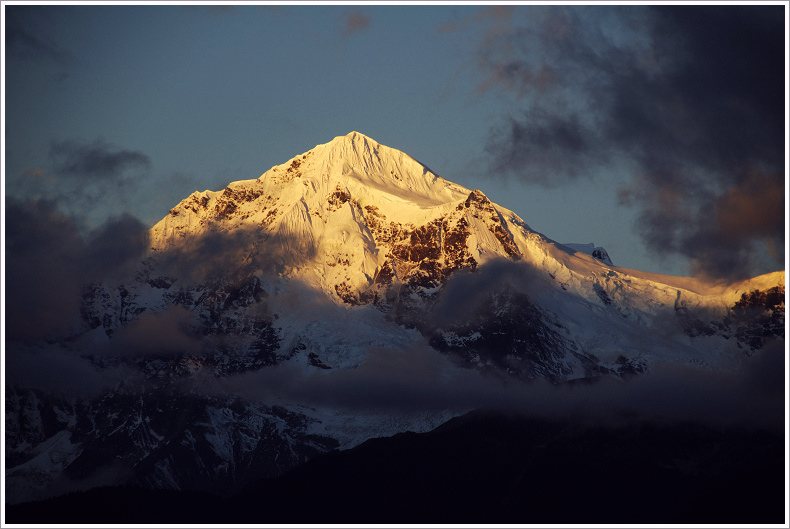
(656,132)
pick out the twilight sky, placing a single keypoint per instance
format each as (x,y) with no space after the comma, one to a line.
(656,132)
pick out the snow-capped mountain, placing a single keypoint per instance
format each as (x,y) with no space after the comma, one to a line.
(346,216)
(265,310)
(367,224)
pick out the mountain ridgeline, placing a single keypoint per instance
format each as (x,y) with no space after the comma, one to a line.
(347,294)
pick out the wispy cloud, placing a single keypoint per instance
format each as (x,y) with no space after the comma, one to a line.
(57,369)
(166,333)
(85,179)
(25,41)
(97,159)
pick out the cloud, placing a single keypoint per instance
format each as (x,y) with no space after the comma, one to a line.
(87,180)
(417,378)
(48,263)
(752,394)
(251,251)
(117,245)
(170,333)
(355,22)
(748,212)
(57,369)
(549,149)
(42,242)
(390,379)
(465,292)
(44,271)
(686,99)
(25,41)
(94,160)
(420,380)
(722,234)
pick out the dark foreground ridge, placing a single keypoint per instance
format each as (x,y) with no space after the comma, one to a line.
(485,468)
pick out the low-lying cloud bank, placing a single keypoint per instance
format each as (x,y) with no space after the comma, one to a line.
(420,380)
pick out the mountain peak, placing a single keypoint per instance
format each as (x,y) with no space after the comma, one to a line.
(356,140)
(357,161)
(354,135)
(352,145)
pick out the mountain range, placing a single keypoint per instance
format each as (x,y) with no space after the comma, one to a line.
(351,293)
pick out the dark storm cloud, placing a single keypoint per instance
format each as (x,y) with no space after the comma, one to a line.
(688,99)
(718,102)
(355,22)
(94,160)
(48,262)
(24,40)
(556,61)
